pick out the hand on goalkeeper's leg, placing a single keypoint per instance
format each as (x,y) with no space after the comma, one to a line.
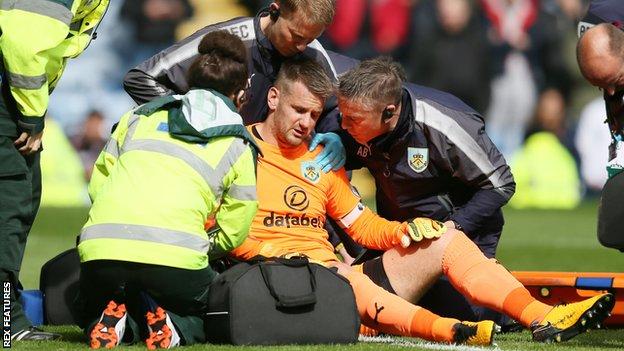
(421,228)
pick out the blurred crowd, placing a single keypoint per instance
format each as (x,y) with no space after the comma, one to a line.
(512,60)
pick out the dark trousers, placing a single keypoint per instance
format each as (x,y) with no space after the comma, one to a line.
(611,212)
(20,195)
(183,293)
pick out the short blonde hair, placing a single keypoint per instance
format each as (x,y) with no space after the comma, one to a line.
(315,11)
(373,82)
(308,72)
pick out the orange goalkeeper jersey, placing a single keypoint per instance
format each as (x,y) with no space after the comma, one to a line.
(294,197)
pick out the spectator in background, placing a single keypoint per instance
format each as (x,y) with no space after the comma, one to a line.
(551,116)
(367,28)
(456,31)
(545,167)
(154,24)
(572,9)
(90,141)
(566,15)
(527,57)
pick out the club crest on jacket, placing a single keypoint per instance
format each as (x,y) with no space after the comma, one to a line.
(418,158)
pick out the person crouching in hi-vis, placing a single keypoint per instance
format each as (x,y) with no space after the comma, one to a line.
(170,164)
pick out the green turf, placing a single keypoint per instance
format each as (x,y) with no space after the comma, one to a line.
(557,241)
(54,231)
(594,340)
(532,240)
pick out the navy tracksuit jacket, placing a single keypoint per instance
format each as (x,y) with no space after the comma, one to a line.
(438,163)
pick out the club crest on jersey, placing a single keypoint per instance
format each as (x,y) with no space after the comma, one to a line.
(418,158)
(310,171)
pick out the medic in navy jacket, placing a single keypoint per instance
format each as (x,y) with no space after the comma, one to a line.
(438,163)
(164,73)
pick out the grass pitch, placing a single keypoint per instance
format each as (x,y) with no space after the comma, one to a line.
(594,340)
(532,240)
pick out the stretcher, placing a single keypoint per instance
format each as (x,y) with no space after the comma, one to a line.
(560,287)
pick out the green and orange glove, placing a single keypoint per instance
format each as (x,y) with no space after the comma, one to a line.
(421,228)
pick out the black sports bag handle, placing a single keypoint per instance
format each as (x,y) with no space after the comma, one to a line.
(290,261)
(295,261)
(289,301)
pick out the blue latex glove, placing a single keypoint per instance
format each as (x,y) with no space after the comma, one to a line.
(333,155)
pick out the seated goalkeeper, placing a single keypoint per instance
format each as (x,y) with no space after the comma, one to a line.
(169,165)
(294,196)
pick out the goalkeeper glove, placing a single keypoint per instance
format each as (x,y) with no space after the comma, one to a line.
(421,228)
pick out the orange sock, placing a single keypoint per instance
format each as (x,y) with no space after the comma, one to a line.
(391,314)
(488,283)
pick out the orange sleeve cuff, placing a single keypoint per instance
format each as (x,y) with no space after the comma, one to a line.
(375,232)
(249,249)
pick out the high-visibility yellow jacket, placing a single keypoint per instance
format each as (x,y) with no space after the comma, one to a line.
(38,36)
(546,174)
(170,165)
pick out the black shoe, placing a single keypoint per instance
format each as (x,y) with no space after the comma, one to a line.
(34,333)
(512,326)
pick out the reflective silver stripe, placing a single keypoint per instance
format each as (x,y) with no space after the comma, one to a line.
(233,153)
(316,45)
(243,192)
(180,54)
(112,148)
(42,7)
(432,117)
(145,233)
(26,82)
(188,50)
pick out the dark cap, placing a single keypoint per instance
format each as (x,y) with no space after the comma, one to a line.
(602,11)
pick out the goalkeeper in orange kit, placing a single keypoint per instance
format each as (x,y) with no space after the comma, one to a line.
(295,196)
